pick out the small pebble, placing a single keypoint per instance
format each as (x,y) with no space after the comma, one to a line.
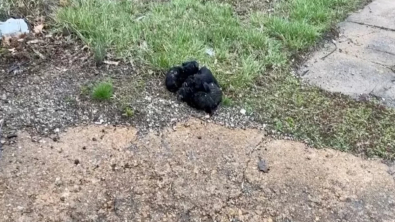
(76,161)
(262,166)
(58,182)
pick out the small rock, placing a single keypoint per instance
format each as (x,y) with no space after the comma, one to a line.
(76,161)
(94,139)
(58,182)
(199,137)
(243,111)
(62,199)
(262,166)
(76,188)
(55,139)
(10,136)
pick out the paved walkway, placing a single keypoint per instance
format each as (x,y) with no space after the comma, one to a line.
(362,60)
(194,171)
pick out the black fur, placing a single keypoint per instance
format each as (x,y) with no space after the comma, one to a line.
(201,91)
(174,79)
(177,75)
(190,68)
(209,99)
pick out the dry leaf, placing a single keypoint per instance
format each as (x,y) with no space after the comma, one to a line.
(63,3)
(38,28)
(35,41)
(111,62)
(39,54)
(6,41)
(12,50)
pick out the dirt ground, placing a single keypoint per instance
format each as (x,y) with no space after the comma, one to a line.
(195,171)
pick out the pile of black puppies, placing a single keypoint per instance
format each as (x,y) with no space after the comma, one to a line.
(197,87)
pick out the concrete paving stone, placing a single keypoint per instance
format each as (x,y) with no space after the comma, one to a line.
(379,13)
(347,74)
(367,43)
(362,59)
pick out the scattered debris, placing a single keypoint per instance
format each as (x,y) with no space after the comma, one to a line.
(38,28)
(13,27)
(210,52)
(111,62)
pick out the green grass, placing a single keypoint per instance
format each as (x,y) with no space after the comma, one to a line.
(128,112)
(252,57)
(103,91)
(170,33)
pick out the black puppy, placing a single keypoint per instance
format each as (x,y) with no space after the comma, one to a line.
(203,76)
(201,91)
(190,68)
(195,83)
(209,99)
(177,75)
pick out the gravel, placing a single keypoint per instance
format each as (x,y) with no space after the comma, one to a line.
(44,97)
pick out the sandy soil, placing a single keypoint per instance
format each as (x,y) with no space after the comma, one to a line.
(195,171)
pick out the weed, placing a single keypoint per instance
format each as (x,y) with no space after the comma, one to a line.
(103,91)
(128,112)
(99,51)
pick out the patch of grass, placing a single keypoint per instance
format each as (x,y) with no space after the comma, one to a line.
(99,51)
(103,91)
(324,119)
(171,32)
(128,112)
(299,23)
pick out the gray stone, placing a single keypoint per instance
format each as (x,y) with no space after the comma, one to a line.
(360,61)
(380,13)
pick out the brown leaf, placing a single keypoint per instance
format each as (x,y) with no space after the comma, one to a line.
(38,28)
(63,3)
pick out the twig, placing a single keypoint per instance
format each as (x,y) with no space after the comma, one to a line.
(333,42)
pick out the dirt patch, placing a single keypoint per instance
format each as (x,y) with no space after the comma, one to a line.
(45,83)
(195,171)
